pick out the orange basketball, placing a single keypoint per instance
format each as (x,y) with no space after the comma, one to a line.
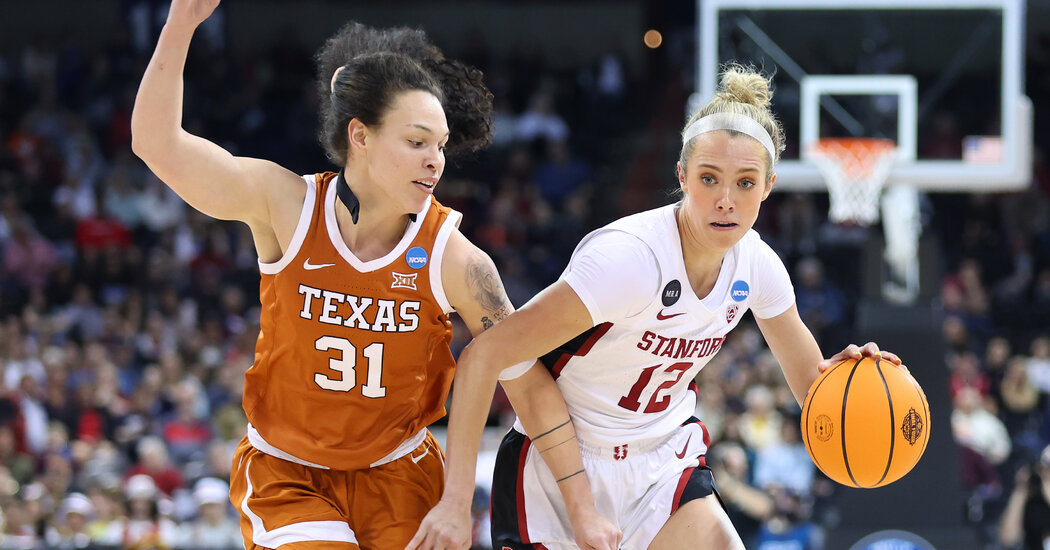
(865,422)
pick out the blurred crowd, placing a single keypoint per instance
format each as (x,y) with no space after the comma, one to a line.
(995,301)
(127,319)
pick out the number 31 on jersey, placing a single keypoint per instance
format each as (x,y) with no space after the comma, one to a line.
(345,366)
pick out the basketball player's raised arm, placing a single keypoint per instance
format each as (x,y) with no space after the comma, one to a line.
(554,316)
(799,355)
(205,175)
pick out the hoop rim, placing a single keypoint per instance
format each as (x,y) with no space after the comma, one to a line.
(858,146)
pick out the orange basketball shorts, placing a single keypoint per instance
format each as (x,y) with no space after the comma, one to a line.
(284,504)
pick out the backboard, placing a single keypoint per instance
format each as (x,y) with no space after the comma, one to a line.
(942,78)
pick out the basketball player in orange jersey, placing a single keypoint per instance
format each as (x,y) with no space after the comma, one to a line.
(360,271)
(644,304)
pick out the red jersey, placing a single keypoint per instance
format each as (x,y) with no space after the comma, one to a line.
(353,357)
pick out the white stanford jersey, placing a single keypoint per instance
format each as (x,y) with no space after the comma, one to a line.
(631,376)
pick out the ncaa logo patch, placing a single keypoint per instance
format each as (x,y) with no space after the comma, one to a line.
(416,257)
(672,292)
(739,291)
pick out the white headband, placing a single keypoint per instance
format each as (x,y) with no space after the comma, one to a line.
(730,121)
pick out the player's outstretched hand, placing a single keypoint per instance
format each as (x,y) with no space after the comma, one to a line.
(594,532)
(446,527)
(190,13)
(853,351)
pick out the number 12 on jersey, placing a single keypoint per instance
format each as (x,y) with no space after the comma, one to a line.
(632,401)
(344,365)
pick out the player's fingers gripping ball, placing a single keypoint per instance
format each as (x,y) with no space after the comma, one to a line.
(865,422)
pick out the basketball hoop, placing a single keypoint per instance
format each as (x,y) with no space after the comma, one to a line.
(854,170)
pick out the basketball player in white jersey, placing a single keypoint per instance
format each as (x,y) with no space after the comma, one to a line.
(644,304)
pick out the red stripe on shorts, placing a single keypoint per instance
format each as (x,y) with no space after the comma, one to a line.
(523,529)
(682,482)
(595,336)
(556,370)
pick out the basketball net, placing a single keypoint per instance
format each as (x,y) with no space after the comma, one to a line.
(854,170)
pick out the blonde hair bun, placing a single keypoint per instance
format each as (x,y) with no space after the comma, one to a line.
(743,85)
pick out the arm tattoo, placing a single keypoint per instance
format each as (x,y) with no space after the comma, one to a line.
(576,473)
(487,289)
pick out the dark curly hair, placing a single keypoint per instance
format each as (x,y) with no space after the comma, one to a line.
(379,64)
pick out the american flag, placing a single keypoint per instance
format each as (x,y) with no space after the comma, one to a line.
(982,149)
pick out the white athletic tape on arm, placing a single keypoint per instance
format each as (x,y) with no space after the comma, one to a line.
(515,371)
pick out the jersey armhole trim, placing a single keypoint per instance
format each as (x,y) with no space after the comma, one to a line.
(440,242)
(300,230)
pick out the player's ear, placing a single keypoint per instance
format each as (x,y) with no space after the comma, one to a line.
(357,134)
(680,172)
(769,185)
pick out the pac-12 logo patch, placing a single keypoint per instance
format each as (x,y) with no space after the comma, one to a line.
(731,312)
(672,292)
(404,281)
(739,291)
(416,257)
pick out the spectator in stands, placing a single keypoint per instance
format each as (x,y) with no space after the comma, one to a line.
(760,423)
(1026,520)
(18,529)
(561,174)
(540,121)
(155,463)
(785,464)
(121,200)
(107,528)
(146,526)
(1039,364)
(996,356)
(966,373)
(70,530)
(1020,404)
(747,505)
(790,525)
(820,303)
(982,437)
(18,464)
(28,257)
(213,527)
(187,431)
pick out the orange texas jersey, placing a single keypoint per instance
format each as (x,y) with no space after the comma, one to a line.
(353,357)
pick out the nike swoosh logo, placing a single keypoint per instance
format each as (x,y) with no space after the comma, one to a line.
(685,447)
(661,317)
(310,267)
(416,459)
